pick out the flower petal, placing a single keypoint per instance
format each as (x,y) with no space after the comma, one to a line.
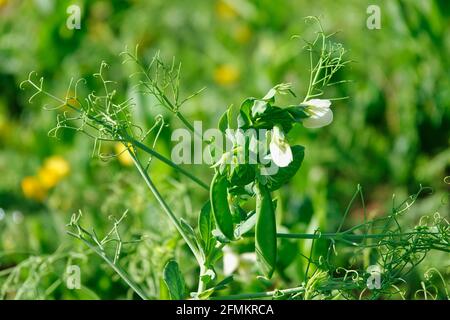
(281,154)
(280,150)
(319,103)
(230,261)
(319,119)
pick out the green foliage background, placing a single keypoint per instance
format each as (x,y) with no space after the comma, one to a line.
(390,136)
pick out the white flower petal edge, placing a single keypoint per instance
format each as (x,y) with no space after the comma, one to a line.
(280,150)
(230,261)
(319,111)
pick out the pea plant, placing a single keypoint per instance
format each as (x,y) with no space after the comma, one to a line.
(241,202)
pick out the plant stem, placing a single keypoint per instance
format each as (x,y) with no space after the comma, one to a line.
(165,207)
(257,295)
(145,148)
(201,284)
(180,116)
(157,155)
(339,235)
(312,81)
(117,269)
(174,220)
(343,235)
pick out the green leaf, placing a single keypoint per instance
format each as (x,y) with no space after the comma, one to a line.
(220,286)
(232,115)
(219,205)
(208,275)
(206,226)
(244,119)
(283,175)
(242,175)
(189,231)
(275,116)
(174,280)
(284,117)
(223,122)
(298,113)
(163,290)
(265,231)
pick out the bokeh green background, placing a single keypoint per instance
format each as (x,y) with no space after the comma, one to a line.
(390,136)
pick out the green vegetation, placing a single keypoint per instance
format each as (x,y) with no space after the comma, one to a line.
(357,210)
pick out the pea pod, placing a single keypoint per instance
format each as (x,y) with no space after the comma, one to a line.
(219,205)
(265,231)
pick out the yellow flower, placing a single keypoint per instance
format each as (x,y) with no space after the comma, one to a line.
(3,3)
(54,169)
(226,74)
(225,11)
(123,154)
(32,188)
(58,165)
(242,33)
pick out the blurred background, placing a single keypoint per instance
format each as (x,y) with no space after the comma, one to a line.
(390,136)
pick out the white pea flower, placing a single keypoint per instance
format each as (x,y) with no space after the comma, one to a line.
(319,111)
(232,260)
(280,151)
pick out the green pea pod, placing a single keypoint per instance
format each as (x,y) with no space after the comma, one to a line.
(220,207)
(265,231)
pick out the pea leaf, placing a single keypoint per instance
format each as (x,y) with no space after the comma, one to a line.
(242,175)
(283,175)
(244,119)
(219,205)
(298,113)
(189,231)
(274,116)
(223,122)
(284,117)
(220,286)
(206,226)
(265,231)
(174,280)
(232,116)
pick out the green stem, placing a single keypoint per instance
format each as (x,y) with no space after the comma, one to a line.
(165,207)
(117,269)
(201,284)
(173,108)
(257,295)
(145,148)
(160,157)
(312,82)
(134,141)
(175,221)
(180,116)
(339,235)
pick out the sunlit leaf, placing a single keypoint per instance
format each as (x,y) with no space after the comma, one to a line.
(174,280)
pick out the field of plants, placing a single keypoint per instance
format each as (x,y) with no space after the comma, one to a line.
(225,149)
